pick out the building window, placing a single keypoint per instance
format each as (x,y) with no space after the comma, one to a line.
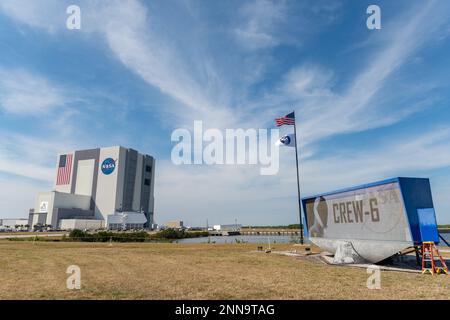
(147,182)
(148,169)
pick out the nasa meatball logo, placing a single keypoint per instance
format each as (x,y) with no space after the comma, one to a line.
(320,214)
(108,166)
(285,140)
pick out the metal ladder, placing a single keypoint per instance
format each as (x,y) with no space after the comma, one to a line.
(430,254)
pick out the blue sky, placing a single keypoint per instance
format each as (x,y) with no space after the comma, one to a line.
(370,104)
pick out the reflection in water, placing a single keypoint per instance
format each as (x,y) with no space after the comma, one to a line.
(245,239)
(263,239)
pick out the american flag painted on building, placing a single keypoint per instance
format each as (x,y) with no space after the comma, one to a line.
(64,169)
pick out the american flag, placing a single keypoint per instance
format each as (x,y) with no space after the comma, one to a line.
(64,169)
(288,120)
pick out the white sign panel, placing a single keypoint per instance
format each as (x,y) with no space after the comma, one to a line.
(373,213)
(43,207)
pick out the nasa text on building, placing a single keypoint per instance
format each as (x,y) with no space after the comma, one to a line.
(96,188)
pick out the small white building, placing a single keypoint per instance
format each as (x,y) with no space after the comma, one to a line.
(81,224)
(53,206)
(125,221)
(175,224)
(227,227)
(10,224)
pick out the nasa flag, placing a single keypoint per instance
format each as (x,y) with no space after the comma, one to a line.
(287,140)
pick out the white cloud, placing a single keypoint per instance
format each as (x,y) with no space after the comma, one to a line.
(223,191)
(308,80)
(260,18)
(46,14)
(325,111)
(406,155)
(17,197)
(265,24)
(22,92)
(24,168)
(361,106)
(162,63)
(31,157)
(126,28)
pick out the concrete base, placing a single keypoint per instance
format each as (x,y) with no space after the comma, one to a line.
(402,264)
(369,250)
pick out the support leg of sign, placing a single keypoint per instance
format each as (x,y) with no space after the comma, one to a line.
(416,249)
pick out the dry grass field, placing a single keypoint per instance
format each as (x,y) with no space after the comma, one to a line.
(192,271)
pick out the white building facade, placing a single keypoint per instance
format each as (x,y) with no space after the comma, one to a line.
(13,224)
(227,227)
(96,183)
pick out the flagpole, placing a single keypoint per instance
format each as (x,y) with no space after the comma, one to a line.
(298,184)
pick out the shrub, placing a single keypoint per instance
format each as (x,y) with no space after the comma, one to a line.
(77,234)
(178,234)
(139,236)
(105,236)
(169,234)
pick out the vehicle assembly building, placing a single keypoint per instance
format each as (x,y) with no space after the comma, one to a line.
(374,221)
(98,188)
